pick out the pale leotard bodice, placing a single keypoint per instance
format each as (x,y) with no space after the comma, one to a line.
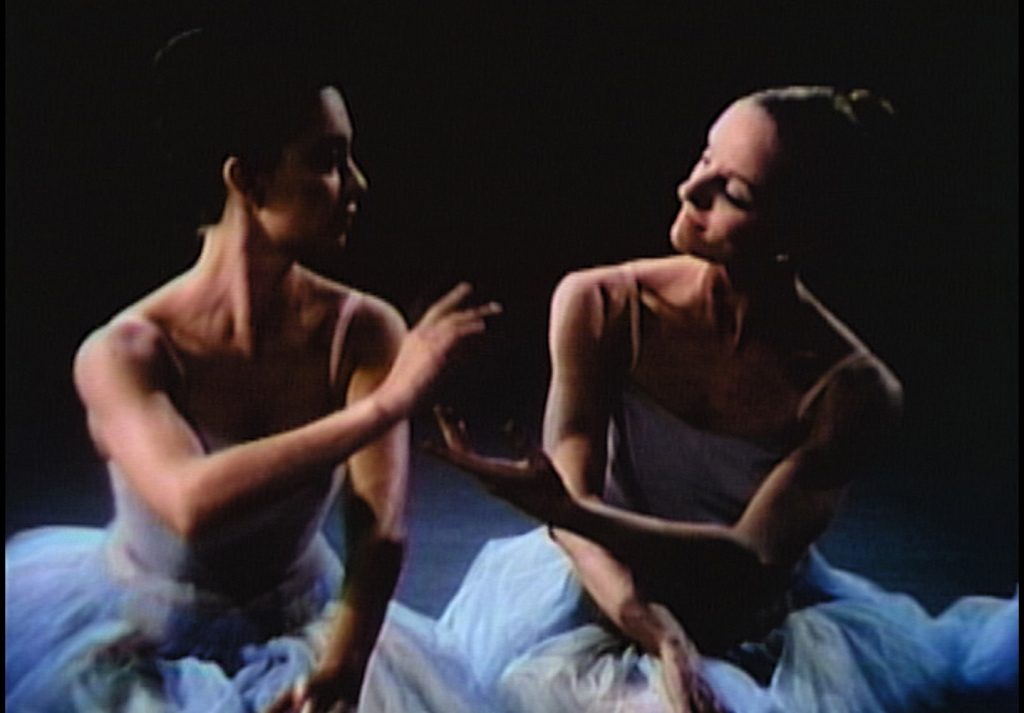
(260,548)
(272,545)
(521,635)
(660,465)
(133,617)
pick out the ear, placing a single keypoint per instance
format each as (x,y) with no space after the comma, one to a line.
(240,179)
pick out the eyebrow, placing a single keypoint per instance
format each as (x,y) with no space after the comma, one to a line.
(332,141)
(754,187)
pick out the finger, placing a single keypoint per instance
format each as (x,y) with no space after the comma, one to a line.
(465,329)
(474,314)
(452,429)
(459,451)
(485,310)
(461,324)
(516,438)
(494,471)
(447,303)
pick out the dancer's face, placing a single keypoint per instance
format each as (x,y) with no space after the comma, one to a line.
(724,197)
(312,193)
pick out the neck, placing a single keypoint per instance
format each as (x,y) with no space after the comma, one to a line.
(757,299)
(241,279)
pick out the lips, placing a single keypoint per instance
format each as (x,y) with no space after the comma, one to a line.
(349,214)
(691,221)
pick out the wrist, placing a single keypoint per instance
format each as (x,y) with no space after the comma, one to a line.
(639,621)
(391,404)
(342,680)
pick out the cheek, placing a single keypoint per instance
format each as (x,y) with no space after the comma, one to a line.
(737,228)
(318,195)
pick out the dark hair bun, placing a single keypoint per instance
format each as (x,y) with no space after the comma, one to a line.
(239,90)
(873,113)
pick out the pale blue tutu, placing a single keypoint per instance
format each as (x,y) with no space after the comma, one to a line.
(520,636)
(88,631)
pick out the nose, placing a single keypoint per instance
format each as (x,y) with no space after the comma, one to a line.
(355,183)
(696,190)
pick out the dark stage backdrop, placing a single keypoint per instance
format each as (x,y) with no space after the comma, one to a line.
(507,143)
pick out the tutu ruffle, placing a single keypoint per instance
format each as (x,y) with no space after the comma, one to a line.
(520,636)
(86,630)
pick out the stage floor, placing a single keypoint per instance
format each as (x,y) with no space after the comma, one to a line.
(896,527)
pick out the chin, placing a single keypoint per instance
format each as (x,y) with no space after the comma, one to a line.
(678,242)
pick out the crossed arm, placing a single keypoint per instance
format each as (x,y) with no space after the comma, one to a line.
(618,554)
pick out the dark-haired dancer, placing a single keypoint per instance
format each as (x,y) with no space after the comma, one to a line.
(705,417)
(231,405)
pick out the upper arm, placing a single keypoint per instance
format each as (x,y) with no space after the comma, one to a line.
(586,352)
(378,471)
(852,424)
(123,373)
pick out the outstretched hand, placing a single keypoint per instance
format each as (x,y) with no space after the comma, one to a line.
(531,483)
(427,348)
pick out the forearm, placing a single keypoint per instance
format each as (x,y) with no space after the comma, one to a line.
(613,589)
(215,485)
(641,541)
(372,573)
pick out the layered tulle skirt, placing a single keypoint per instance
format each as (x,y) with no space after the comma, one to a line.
(89,630)
(521,637)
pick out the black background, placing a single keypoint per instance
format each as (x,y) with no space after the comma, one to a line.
(507,143)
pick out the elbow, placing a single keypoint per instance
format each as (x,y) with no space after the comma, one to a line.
(185,520)
(745,557)
(188,513)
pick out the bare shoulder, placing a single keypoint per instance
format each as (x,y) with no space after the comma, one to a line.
(131,346)
(591,316)
(596,294)
(858,412)
(661,270)
(867,387)
(679,280)
(376,329)
(372,318)
(601,295)
(378,325)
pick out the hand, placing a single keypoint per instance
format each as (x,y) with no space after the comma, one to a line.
(319,694)
(426,349)
(531,484)
(682,686)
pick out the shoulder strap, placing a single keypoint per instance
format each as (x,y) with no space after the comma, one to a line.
(818,387)
(346,310)
(633,299)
